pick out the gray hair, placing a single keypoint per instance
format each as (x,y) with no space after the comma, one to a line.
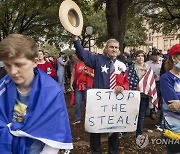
(107,43)
(110,41)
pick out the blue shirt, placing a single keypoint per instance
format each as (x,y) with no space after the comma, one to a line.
(22,102)
(170,90)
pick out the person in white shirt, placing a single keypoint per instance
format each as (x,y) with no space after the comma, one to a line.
(155,63)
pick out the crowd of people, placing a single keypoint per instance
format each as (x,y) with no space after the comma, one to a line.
(34,89)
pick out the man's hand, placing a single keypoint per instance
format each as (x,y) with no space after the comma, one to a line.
(174,105)
(118,89)
(74,38)
(71,87)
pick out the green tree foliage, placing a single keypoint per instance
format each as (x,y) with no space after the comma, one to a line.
(120,19)
(116,16)
(163,15)
(95,18)
(135,34)
(28,17)
(40,20)
(125,18)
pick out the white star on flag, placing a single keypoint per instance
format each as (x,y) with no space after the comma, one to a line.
(104,68)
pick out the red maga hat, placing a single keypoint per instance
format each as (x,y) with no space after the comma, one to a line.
(174,49)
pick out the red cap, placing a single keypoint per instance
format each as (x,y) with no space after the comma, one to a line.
(174,49)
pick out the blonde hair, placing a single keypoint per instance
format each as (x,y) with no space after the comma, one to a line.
(17,45)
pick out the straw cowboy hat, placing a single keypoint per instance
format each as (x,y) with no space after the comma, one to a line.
(71,17)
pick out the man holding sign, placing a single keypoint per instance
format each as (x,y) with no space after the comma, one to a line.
(109,73)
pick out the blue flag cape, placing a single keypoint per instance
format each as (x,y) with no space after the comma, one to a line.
(46,119)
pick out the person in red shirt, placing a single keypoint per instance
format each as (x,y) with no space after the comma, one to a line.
(81,80)
(45,65)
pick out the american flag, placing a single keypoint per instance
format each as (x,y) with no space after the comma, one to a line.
(112,80)
(147,86)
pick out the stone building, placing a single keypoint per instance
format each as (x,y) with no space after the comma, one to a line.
(158,41)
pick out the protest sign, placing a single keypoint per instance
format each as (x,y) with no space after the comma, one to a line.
(106,112)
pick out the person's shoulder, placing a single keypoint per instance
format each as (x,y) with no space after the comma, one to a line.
(100,58)
(147,66)
(98,55)
(59,58)
(47,62)
(167,76)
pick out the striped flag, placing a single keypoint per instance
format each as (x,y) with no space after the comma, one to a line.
(147,86)
(112,80)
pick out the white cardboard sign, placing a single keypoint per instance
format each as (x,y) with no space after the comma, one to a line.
(106,112)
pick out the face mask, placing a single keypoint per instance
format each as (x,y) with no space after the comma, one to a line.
(178,65)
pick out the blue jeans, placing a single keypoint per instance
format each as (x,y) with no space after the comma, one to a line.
(60,77)
(36,147)
(80,96)
(144,103)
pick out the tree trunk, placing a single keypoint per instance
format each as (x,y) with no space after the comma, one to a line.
(116,15)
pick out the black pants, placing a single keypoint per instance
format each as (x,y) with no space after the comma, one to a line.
(172,146)
(113,143)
